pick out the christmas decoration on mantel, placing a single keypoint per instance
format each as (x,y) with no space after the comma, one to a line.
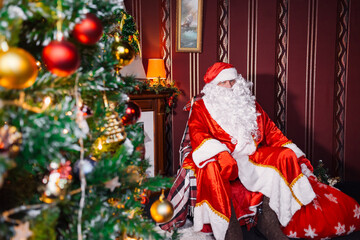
(53,185)
(170,89)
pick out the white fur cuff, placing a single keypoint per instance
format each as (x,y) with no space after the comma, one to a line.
(207,150)
(306,171)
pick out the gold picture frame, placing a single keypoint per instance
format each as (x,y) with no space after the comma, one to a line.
(189,14)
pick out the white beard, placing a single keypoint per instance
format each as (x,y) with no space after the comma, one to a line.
(233,109)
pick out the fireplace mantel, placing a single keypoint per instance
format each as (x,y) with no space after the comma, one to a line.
(155,103)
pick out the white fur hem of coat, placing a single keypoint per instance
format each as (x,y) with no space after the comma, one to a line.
(203,214)
(285,199)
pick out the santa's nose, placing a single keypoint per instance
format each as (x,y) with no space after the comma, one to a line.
(231,83)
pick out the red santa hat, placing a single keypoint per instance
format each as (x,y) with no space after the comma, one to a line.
(220,72)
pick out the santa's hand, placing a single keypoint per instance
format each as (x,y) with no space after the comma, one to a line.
(306,161)
(306,168)
(229,169)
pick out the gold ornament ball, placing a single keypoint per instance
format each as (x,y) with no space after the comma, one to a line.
(18,69)
(123,52)
(162,210)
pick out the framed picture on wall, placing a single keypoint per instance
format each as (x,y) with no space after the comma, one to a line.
(189,25)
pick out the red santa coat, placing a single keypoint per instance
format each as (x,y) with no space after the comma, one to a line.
(271,165)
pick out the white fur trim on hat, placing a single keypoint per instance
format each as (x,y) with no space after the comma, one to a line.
(224,75)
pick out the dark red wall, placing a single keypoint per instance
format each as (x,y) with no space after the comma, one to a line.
(312,74)
(352,127)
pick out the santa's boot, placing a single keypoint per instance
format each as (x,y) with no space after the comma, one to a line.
(234,230)
(268,223)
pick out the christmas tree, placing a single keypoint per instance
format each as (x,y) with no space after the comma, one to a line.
(71,164)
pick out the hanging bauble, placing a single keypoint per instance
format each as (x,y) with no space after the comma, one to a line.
(38,64)
(98,146)
(61,58)
(127,236)
(115,202)
(89,164)
(114,129)
(86,111)
(18,69)
(123,52)
(133,174)
(132,113)
(56,182)
(65,170)
(162,210)
(141,149)
(10,141)
(89,30)
(144,197)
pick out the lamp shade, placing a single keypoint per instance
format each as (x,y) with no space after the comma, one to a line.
(156,68)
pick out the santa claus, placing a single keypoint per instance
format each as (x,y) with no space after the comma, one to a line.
(239,156)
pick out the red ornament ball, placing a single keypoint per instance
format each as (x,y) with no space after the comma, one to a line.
(61,58)
(132,113)
(86,111)
(89,30)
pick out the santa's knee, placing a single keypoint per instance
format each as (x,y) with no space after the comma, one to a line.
(212,166)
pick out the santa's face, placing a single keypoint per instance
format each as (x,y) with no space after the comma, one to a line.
(227,83)
(232,105)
